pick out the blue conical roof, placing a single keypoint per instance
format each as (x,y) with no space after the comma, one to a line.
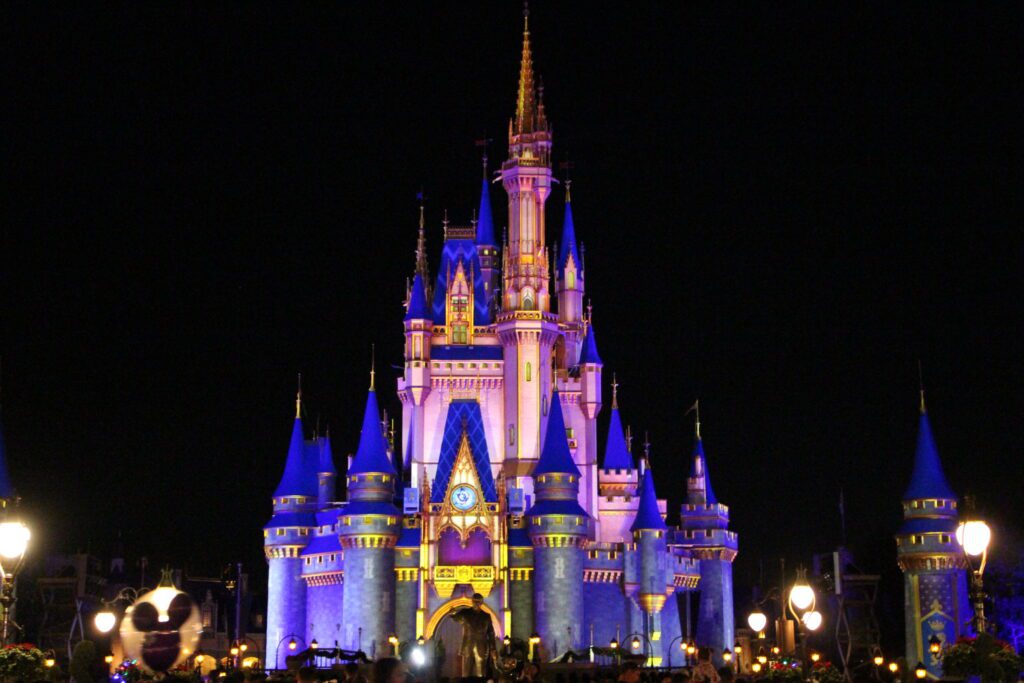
(418,309)
(299,478)
(554,454)
(588,354)
(928,480)
(372,454)
(699,468)
(616,454)
(568,244)
(6,487)
(485,221)
(326,459)
(647,514)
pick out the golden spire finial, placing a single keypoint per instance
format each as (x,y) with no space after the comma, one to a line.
(615,392)
(526,102)
(373,367)
(298,399)
(920,384)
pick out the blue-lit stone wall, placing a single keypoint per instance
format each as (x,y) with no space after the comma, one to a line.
(604,609)
(558,597)
(369,598)
(286,600)
(716,628)
(324,610)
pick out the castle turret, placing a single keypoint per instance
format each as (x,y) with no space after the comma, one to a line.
(705,532)
(525,326)
(369,528)
(286,535)
(934,564)
(617,481)
(326,475)
(558,529)
(649,538)
(414,387)
(487,244)
(569,275)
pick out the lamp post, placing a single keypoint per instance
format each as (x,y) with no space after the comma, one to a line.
(293,645)
(534,642)
(635,644)
(14,538)
(974,536)
(682,647)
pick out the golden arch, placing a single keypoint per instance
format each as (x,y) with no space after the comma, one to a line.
(455,604)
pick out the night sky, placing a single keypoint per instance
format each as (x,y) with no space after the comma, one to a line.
(784,206)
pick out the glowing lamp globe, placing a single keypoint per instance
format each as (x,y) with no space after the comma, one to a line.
(974,537)
(894,667)
(878,660)
(49,662)
(104,621)
(812,620)
(738,648)
(726,655)
(815,657)
(757,621)
(614,644)
(690,648)
(756,667)
(14,538)
(292,644)
(919,671)
(635,643)
(418,658)
(801,596)
(160,628)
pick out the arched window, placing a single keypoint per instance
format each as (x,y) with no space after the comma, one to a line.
(570,279)
(528,301)
(529,372)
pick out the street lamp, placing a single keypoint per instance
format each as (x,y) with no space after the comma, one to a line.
(878,659)
(757,621)
(934,645)
(815,657)
(894,667)
(974,535)
(919,671)
(756,667)
(14,538)
(393,640)
(812,620)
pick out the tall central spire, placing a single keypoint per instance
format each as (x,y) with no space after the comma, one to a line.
(526,104)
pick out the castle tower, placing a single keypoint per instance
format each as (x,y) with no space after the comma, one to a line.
(326,475)
(558,529)
(487,245)
(525,326)
(369,527)
(705,527)
(285,537)
(418,324)
(617,481)
(934,565)
(650,538)
(590,366)
(569,286)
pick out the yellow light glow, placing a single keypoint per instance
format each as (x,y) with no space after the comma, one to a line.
(757,621)
(756,667)
(776,650)
(14,538)
(801,595)
(49,662)
(812,620)
(108,659)
(974,537)
(292,644)
(878,660)
(815,657)
(920,672)
(894,667)
(104,621)
(726,656)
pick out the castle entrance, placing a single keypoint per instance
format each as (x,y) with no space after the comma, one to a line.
(441,627)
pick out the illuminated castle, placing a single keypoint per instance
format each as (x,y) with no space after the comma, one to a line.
(935,595)
(495,484)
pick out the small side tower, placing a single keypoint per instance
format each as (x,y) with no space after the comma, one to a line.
(487,245)
(934,564)
(590,367)
(617,481)
(650,539)
(327,476)
(369,528)
(558,529)
(285,537)
(705,530)
(414,386)
(569,284)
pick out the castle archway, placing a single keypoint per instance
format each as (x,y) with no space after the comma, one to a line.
(441,627)
(457,603)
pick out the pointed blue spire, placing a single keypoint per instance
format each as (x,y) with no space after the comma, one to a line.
(418,309)
(699,468)
(928,479)
(326,463)
(647,515)
(568,244)
(554,454)
(616,452)
(6,487)
(588,354)
(485,221)
(298,478)
(372,454)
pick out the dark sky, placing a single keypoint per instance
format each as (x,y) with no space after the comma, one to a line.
(785,205)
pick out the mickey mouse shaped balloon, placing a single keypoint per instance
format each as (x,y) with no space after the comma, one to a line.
(161,627)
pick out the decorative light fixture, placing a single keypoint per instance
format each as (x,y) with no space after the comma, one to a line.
(974,537)
(756,667)
(761,656)
(420,640)
(776,649)
(801,595)
(243,647)
(815,657)
(393,639)
(200,657)
(49,662)
(534,638)
(418,657)
(635,643)
(757,621)
(737,648)
(726,655)
(934,644)
(812,620)
(919,671)
(507,640)
(894,667)
(104,621)
(292,644)
(313,644)
(878,659)
(691,648)
(234,650)
(614,644)
(109,659)
(14,538)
